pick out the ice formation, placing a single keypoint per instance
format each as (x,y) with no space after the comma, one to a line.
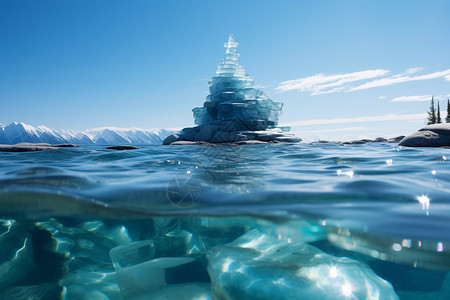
(235,110)
(169,258)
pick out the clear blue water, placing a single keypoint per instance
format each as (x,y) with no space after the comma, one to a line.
(383,207)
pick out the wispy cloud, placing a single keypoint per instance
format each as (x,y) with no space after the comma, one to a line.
(419,98)
(323,84)
(405,77)
(413,70)
(412,98)
(391,117)
(326,84)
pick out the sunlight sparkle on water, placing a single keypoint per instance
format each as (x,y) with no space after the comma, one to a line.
(347,290)
(226,265)
(425,201)
(333,272)
(346,173)
(396,247)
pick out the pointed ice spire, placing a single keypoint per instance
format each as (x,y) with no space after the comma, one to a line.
(231,42)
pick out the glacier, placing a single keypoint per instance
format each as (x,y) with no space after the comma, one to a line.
(18,132)
(235,111)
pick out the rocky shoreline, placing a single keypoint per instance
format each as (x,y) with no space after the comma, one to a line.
(26,147)
(436,135)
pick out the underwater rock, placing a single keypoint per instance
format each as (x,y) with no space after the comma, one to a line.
(436,135)
(122,147)
(235,110)
(256,266)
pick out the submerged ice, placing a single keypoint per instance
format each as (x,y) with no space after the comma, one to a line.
(169,258)
(257,266)
(235,110)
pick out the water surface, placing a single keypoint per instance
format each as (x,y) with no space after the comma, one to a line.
(383,205)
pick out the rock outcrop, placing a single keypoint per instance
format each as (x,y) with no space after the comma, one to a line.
(436,135)
(27,147)
(122,147)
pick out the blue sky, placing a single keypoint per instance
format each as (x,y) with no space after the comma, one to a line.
(344,69)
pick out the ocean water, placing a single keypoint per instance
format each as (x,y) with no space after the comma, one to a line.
(275,221)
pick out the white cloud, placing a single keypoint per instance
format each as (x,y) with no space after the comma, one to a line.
(326,84)
(412,98)
(401,78)
(382,97)
(419,98)
(323,84)
(357,120)
(413,70)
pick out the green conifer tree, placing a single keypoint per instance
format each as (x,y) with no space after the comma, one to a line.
(447,119)
(438,115)
(432,113)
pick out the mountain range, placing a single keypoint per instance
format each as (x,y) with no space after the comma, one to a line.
(18,132)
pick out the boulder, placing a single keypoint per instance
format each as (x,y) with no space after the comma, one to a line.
(27,147)
(191,143)
(251,142)
(436,135)
(380,140)
(396,139)
(122,147)
(365,141)
(288,139)
(65,146)
(171,139)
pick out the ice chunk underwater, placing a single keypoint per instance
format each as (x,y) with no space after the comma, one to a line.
(170,258)
(257,266)
(235,111)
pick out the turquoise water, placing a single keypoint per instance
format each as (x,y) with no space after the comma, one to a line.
(304,221)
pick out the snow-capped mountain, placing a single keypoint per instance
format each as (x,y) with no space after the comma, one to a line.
(18,132)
